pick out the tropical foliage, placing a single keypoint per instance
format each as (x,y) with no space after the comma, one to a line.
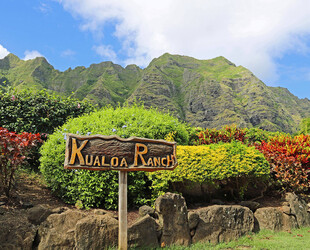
(289,158)
(233,133)
(14,149)
(39,112)
(232,157)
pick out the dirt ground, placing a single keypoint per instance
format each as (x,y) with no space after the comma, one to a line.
(30,191)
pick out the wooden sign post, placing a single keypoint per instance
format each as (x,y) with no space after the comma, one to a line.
(122,210)
(98,152)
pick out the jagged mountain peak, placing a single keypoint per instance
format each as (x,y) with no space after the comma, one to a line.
(11,57)
(102,64)
(206,93)
(172,59)
(222,60)
(182,59)
(39,60)
(133,67)
(9,61)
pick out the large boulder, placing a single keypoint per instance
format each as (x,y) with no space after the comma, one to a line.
(98,211)
(38,214)
(298,208)
(250,204)
(143,233)
(172,213)
(58,231)
(274,218)
(144,210)
(96,232)
(292,214)
(220,223)
(16,234)
(193,220)
(270,218)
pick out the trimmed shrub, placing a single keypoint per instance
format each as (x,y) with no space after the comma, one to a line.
(38,112)
(100,188)
(232,163)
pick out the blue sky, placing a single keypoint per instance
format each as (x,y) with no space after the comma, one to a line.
(269,37)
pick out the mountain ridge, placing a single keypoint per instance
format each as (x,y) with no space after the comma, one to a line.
(206,93)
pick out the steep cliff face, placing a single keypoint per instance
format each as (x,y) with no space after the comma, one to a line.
(206,93)
(102,84)
(213,93)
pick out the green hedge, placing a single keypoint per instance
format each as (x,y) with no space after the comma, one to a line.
(100,188)
(232,163)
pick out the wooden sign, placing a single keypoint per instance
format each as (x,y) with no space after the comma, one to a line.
(100,152)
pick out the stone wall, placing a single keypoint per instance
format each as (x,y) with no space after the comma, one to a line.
(169,223)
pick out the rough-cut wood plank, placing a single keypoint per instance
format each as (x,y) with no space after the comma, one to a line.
(100,152)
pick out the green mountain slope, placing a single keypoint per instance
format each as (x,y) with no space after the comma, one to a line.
(205,93)
(102,84)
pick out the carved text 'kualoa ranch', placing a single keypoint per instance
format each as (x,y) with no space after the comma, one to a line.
(100,152)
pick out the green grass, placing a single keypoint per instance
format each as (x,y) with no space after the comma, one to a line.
(298,239)
(265,239)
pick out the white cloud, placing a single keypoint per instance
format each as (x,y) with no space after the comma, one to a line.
(249,33)
(31,54)
(44,8)
(68,53)
(3,52)
(106,52)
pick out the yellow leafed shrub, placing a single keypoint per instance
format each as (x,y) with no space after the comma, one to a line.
(233,163)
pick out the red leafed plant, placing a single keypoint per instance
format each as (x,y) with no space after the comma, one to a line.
(14,148)
(289,158)
(227,134)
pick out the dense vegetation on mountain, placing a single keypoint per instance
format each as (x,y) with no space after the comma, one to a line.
(205,93)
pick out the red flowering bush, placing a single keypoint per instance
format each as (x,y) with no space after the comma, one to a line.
(289,158)
(13,150)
